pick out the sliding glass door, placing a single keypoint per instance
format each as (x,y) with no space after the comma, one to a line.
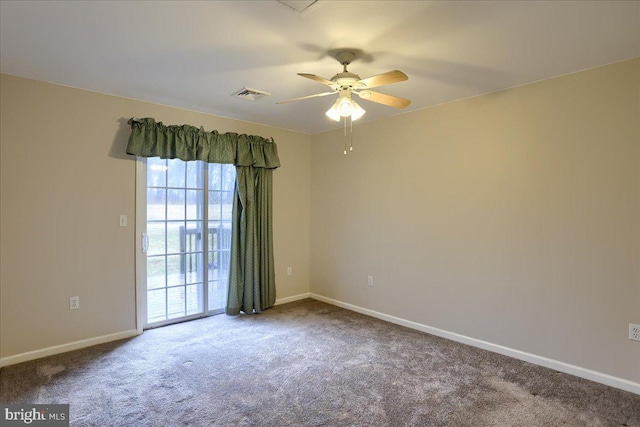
(187,239)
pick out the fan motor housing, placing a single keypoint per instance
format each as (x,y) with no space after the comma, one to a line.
(345,79)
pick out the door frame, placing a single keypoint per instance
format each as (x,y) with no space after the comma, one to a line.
(140,232)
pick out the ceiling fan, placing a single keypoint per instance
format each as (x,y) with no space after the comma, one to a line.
(345,84)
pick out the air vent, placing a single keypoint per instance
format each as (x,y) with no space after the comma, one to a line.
(251,94)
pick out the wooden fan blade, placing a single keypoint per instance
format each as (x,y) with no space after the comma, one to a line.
(381,98)
(306,97)
(317,78)
(383,79)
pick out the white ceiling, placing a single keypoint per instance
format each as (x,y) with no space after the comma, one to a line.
(195,55)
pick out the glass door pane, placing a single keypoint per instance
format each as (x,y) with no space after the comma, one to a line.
(175,224)
(221,183)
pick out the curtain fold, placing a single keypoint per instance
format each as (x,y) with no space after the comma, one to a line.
(251,269)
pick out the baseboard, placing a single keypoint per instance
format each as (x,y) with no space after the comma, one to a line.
(63,348)
(292,299)
(517,354)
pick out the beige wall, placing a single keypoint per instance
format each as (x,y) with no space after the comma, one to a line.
(65,180)
(512,217)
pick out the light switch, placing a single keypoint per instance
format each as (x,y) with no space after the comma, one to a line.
(123,220)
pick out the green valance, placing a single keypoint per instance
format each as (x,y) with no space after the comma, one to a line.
(185,142)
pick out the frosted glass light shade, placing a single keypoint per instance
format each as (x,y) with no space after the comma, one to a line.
(358,111)
(345,106)
(333,113)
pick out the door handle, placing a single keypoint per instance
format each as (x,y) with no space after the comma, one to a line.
(145,243)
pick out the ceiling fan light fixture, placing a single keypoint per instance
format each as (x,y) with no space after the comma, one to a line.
(345,107)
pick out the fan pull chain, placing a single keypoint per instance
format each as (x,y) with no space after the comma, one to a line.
(351,142)
(345,135)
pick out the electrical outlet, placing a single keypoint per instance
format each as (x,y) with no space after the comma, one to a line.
(74,303)
(634,332)
(370,280)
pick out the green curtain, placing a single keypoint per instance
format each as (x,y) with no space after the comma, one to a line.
(251,270)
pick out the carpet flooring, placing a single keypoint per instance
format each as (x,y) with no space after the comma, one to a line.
(308,363)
